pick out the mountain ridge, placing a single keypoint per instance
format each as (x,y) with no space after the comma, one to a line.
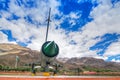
(92,63)
(8,53)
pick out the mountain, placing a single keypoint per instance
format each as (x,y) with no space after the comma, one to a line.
(8,53)
(63,60)
(93,63)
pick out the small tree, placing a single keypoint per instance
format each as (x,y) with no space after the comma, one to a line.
(0,67)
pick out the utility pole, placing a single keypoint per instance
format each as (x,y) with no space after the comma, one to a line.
(48,22)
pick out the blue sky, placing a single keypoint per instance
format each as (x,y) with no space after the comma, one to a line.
(81,28)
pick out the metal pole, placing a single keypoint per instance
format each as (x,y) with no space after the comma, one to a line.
(48,25)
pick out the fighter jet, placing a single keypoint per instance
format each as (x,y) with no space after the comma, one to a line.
(49,50)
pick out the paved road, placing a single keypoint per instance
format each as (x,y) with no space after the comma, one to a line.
(59,77)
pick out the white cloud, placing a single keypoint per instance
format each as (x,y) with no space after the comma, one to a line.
(4,39)
(113,49)
(18,28)
(21,29)
(106,20)
(115,60)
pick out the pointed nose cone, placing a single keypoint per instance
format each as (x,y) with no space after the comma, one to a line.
(50,49)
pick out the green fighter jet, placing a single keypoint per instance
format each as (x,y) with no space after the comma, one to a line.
(49,50)
(48,54)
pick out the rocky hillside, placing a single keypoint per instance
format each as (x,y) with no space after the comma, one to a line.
(92,63)
(8,53)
